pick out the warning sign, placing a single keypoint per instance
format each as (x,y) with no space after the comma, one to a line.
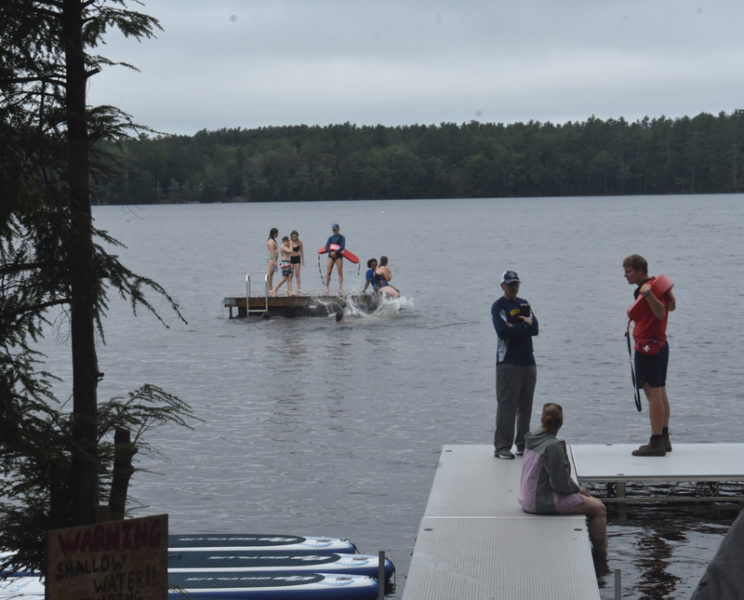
(118,560)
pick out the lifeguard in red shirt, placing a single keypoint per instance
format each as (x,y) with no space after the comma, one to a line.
(649,313)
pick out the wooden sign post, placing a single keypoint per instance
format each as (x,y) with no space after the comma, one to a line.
(118,559)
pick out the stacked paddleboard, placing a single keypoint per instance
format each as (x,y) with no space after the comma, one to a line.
(254,567)
(23,587)
(252,541)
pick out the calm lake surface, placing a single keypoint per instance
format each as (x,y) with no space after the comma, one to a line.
(318,428)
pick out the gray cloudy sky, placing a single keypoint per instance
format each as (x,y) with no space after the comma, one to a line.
(253,63)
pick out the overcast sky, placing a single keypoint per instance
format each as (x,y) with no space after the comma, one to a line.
(254,63)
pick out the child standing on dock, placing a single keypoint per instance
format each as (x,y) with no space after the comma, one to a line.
(297,258)
(286,266)
(273,257)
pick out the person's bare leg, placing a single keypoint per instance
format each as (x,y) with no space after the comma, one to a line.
(657,410)
(390,291)
(667,410)
(328,274)
(297,278)
(270,275)
(596,512)
(278,285)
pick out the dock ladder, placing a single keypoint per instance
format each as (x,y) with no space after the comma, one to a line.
(248,308)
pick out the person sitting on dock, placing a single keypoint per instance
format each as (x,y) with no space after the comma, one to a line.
(383,275)
(370,275)
(286,266)
(335,258)
(547,486)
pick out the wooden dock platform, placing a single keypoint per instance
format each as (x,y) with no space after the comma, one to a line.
(307,304)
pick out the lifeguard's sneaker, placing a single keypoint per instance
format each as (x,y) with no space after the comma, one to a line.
(655,447)
(667,443)
(503,454)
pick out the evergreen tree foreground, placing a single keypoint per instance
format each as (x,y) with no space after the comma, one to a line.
(61,463)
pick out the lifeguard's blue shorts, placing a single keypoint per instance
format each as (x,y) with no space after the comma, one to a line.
(652,369)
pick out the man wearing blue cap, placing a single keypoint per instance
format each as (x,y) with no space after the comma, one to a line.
(516,371)
(334,247)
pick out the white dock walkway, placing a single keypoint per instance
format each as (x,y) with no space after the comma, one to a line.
(706,466)
(475,542)
(686,462)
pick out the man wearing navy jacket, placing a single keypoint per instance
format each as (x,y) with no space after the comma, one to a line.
(516,371)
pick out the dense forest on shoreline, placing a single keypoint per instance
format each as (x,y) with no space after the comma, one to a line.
(702,154)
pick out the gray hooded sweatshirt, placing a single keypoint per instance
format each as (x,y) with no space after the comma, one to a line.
(546,485)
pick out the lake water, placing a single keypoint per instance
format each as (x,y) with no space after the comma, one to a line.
(319,428)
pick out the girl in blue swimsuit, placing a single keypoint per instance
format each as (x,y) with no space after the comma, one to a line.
(383,276)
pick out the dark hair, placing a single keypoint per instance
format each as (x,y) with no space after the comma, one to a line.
(273,233)
(294,232)
(339,316)
(552,417)
(285,238)
(636,262)
(370,261)
(383,261)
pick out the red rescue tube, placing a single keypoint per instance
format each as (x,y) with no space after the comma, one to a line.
(347,254)
(640,308)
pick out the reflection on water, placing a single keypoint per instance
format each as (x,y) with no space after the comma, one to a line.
(662,549)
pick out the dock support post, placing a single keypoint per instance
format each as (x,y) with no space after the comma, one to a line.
(381,575)
(620,491)
(618,585)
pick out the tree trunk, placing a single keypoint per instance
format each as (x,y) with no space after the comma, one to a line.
(124,450)
(83,284)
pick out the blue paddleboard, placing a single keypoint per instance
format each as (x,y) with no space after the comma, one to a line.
(273,560)
(270,585)
(258,585)
(258,541)
(25,588)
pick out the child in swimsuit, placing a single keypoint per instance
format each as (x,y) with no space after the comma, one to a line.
(286,265)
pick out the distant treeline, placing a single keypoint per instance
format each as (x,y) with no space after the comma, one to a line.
(704,154)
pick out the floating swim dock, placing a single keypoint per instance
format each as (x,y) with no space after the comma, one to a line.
(307,305)
(476,542)
(262,304)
